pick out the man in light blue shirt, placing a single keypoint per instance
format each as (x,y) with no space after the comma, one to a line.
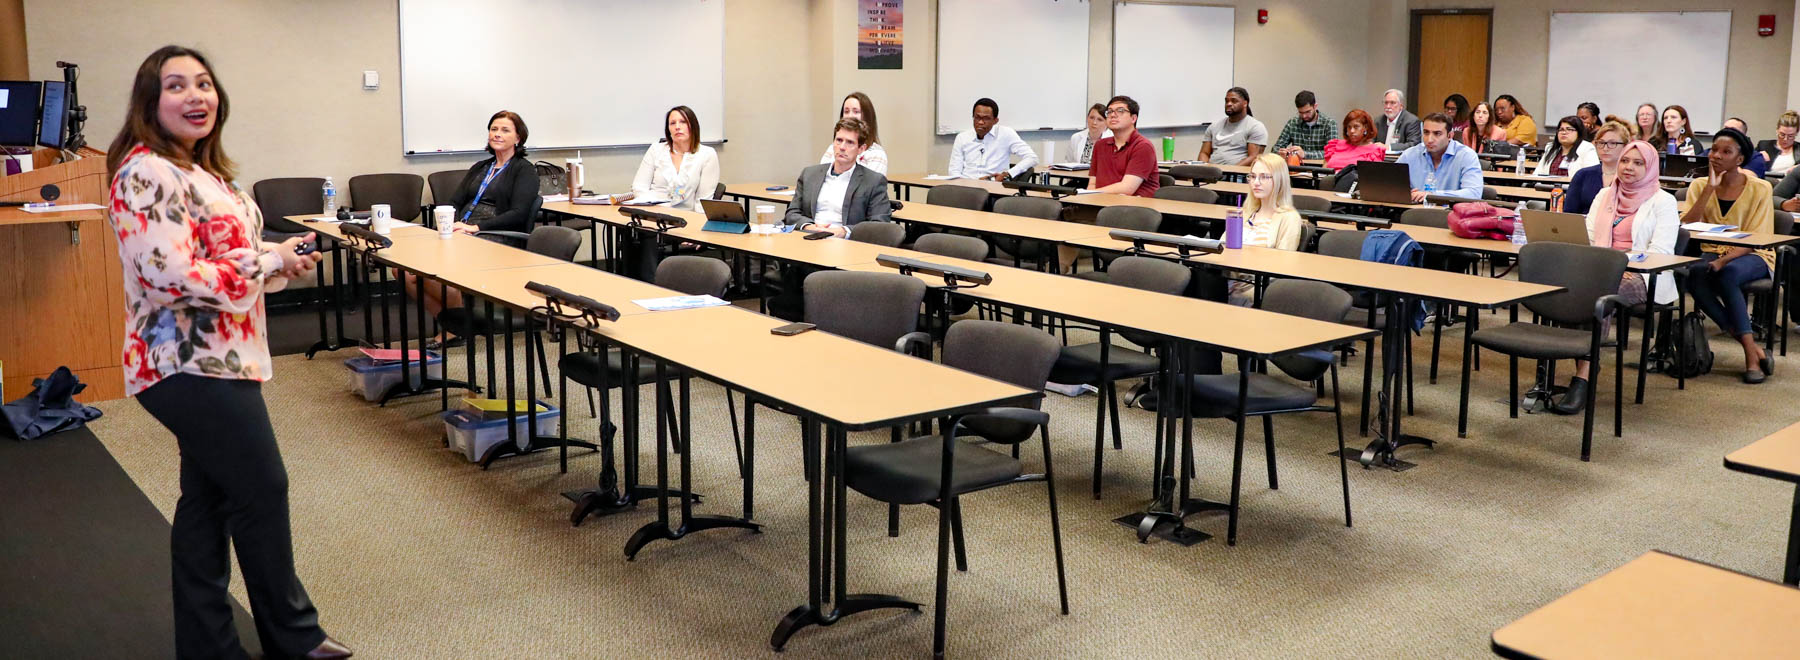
(1452,168)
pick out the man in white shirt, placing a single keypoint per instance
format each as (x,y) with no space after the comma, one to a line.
(835,196)
(1397,128)
(985,151)
(1239,138)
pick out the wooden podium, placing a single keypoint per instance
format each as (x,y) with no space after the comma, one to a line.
(62,302)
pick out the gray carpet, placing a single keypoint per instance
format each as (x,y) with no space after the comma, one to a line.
(411,551)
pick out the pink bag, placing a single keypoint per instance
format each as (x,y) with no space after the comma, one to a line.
(1481,220)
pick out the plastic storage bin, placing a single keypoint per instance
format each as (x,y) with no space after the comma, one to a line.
(472,435)
(372,379)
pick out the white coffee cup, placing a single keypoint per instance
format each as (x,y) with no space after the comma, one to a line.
(381,219)
(765,217)
(443,216)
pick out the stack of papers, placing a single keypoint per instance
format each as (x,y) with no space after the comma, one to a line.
(1069,166)
(678,302)
(1706,226)
(939,177)
(62,208)
(1723,234)
(560,197)
(389,354)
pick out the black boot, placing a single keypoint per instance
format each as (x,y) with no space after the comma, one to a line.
(1574,399)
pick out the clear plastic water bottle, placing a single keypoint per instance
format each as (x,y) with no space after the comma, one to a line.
(329,194)
(1518,236)
(1430,187)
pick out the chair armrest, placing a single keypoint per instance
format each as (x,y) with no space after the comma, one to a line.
(512,238)
(1030,416)
(1604,302)
(911,340)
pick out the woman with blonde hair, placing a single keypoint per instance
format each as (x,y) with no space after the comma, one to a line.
(1270,219)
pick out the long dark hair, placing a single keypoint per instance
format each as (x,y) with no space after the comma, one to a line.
(1462,108)
(142,127)
(868,114)
(693,128)
(1581,135)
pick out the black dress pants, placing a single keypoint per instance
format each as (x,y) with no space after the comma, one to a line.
(233,489)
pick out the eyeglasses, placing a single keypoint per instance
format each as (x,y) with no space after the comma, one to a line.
(1785,134)
(983,118)
(1111,112)
(1608,144)
(1261,178)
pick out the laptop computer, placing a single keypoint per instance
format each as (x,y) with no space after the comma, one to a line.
(1384,182)
(723,216)
(1686,166)
(1552,227)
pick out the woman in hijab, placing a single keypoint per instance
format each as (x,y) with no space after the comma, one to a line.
(1635,215)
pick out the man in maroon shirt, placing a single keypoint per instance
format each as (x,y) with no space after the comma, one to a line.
(1126,164)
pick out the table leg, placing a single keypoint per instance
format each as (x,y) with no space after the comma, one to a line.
(820,562)
(690,523)
(1389,436)
(1790,574)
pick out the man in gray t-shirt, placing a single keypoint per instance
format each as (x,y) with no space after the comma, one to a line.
(1239,138)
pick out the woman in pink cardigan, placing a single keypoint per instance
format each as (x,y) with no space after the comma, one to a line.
(1358,143)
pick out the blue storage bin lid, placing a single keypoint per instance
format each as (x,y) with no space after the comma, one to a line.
(464,419)
(363,364)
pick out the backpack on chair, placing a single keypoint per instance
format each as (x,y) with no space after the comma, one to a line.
(1695,357)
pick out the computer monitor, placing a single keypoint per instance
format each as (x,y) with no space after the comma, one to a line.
(53,119)
(19,103)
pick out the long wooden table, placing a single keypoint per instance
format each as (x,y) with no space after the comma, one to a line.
(1777,456)
(842,384)
(1191,323)
(1660,606)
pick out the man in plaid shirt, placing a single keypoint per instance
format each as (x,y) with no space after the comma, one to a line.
(1305,135)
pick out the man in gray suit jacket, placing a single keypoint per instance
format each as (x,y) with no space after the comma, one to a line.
(838,195)
(1406,124)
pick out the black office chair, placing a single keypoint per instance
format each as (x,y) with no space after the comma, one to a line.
(1197,174)
(884,234)
(1101,364)
(1764,304)
(403,193)
(1164,180)
(1311,203)
(1134,218)
(955,196)
(913,471)
(1193,194)
(443,185)
(1215,396)
(598,369)
(957,246)
(1568,325)
(1196,195)
(282,197)
(1015,251)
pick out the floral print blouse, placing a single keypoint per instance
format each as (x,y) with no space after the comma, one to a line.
(195,269)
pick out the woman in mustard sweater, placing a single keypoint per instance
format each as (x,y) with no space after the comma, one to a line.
(1731,195)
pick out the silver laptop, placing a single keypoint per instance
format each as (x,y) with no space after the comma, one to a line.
(1550,227)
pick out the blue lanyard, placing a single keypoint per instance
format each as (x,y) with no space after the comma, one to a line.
(483,190)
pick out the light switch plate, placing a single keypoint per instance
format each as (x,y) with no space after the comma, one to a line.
(371,80)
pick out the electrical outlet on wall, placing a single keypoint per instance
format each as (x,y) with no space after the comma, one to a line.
(371,80)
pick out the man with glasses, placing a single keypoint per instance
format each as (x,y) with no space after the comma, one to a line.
(1449,167)
(1305,135)
(1397,128)
(986,151)
(1126,164)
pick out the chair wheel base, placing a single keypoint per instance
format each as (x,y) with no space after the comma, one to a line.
(1165,527)
(1389,462)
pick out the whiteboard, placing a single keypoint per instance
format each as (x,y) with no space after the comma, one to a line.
(1175,60)
(1029,56)
(1675,58)
(581,73)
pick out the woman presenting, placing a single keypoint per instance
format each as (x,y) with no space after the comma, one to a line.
(196,354)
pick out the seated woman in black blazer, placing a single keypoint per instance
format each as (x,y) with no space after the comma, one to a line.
(496,195)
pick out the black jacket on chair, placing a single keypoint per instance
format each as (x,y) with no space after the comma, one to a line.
(513,192)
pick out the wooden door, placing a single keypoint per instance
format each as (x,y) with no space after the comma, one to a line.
(1449,56)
